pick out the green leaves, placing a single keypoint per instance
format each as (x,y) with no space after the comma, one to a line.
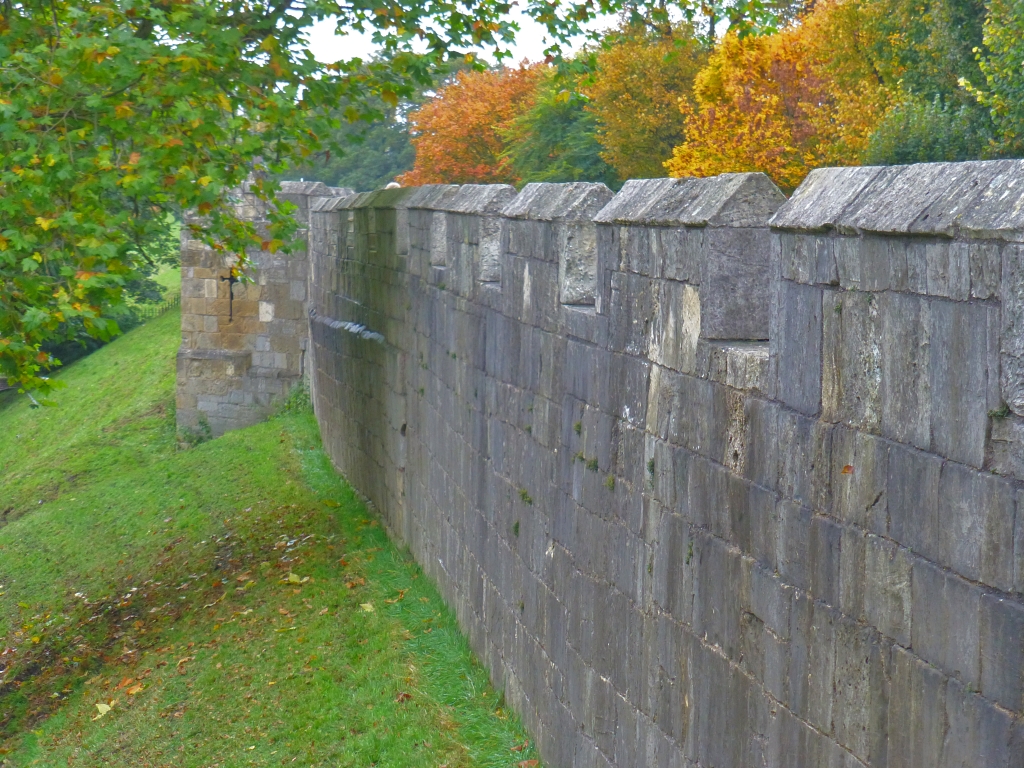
(114,115)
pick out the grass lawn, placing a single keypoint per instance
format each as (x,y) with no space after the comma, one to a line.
(234,604)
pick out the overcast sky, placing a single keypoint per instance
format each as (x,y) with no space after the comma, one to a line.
(328,47)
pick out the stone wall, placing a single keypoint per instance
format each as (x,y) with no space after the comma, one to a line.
(711,478)
(239,356)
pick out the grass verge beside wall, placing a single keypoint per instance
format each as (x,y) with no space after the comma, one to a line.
(233,604)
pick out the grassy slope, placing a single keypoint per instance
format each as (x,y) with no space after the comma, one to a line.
(236,604)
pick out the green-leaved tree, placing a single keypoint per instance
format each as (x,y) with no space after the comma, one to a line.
(114,113)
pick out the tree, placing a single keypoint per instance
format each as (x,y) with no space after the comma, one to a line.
(785,103)
(931,44)
(914,130)
(113,114)
(555,139)
(459,134)
(375,153)
(639,77)
(1003,70)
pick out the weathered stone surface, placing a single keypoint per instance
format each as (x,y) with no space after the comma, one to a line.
(946,622)
(672,542)
(728,200)
(795,334)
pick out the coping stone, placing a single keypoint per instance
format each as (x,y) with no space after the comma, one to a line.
(543,201)
(727,200)
(983,199)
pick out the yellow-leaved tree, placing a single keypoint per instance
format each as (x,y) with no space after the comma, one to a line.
(807,96)
(634,94)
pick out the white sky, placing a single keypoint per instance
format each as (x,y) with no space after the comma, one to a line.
(328,47)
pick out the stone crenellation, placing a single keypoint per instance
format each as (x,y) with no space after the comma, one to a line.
(711,478)
(243,345)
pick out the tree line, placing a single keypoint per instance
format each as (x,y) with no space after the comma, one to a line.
(836,82)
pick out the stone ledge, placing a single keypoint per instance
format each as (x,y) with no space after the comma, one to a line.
(579,200)
(976,199)
(729,200)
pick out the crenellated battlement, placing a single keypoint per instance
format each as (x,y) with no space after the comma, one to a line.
(711,477)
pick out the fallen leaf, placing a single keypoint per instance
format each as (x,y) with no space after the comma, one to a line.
(323,612)
(134,689)
(528,763)
(847,470)
(368,607)
(403,696)
(123,683)
(103,709)
(520,747)
(331,503)
(294,579)
(401,594)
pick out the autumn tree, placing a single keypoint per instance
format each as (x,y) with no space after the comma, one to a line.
(555,139)
(113,113)
(641,72)
(459,135)
(785,103)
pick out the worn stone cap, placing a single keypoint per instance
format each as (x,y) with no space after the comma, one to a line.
(980,199)
(379,198)
(481,198)
(727,200)
(313,188)
(329,203)
(435,197)
(543,201)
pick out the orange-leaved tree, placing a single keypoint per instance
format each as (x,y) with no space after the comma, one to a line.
(807,96)
(634,94)
(458,135)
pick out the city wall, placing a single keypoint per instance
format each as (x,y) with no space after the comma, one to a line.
(711,478)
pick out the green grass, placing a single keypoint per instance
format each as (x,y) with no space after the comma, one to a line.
(169,278)
(234,604)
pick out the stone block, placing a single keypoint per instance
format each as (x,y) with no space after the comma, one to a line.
(812,662)
(945,625)
(734,292)
(796,345)
(906,382)
(1012,332)
(912,490)
(824,546)
(793,542)
(852,570)
(676,326)
(852,359)
(771,601)
(985,259)
(820,201)
(1005,448)
(805,449)
(681,249)
(762,461)
(860,465)
(888,599)
(1002,651)
(577,262)
(1018,547)
(959,374)
(917,716)
(978,733)
(861,709)
(975,525)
